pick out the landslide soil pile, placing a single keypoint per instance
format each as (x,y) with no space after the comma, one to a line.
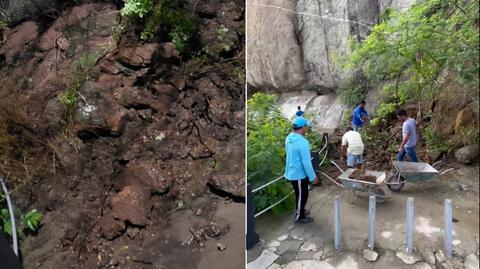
(125,178)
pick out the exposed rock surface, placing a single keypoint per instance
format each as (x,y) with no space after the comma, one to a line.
(467,154)
(297,45)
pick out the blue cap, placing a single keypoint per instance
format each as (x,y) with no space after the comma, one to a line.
(300,122)
(299,113)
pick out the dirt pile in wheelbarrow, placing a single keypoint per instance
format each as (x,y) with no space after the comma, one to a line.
(359,175)
(137,153)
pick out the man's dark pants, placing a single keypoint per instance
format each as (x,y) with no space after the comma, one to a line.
(301,196)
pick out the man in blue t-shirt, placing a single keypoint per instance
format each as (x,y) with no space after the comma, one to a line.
(409,141)
(298,168)
(360,115)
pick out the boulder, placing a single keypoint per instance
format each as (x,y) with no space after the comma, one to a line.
(467,154)
(167,51)
(110,227)
(465,118)
(132,204)
(17,38)
(138,56)
(297,43)
(147,173)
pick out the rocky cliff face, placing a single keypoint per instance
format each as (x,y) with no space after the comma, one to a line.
(296,45)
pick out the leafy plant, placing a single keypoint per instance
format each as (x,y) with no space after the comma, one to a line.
(352,95)
(80,75)
(138,8)
(222,32)
(168,16)
(435,142)
(29,222)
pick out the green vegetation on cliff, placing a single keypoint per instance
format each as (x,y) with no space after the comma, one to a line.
(427,52)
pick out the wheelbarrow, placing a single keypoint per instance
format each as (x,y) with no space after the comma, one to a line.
(354,184)
(411,172)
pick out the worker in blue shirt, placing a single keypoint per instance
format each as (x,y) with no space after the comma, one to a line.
(299,112)
(360,116)
(299,169)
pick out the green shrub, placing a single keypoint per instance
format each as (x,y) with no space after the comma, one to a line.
(352,95)
(418,44)
(168,16)
(138,8)
(435,142)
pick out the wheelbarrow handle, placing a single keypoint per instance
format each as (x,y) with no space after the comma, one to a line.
(336,165)
(447,170)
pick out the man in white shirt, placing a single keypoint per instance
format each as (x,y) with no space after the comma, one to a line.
(353,141)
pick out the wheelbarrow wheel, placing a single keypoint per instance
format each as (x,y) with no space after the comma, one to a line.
(396,187)
(381,194)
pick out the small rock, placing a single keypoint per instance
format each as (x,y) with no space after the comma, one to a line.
(318,255)
(471,262)
(140,56)
(273,245)
(116,122)
(429,256)
(111,228)
(221,247)
(370,255)
(199,212)
(454,263)
(440,256)
(132,204)
(407,259)
(308,247)
(133,233)
(169,52)
(282,237)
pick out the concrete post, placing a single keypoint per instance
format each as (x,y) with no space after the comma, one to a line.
(337,223)
(410,225)
(448,227)
(371,221)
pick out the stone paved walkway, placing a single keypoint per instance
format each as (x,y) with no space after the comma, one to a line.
(285,245)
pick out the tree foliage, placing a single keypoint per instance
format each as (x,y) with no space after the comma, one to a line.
(416,49)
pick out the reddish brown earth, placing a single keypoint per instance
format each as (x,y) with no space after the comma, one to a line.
(131,179)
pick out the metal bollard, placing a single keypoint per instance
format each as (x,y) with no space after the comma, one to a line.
(252,236)
(448,228)
(410,223)
(371,221)
(337,222)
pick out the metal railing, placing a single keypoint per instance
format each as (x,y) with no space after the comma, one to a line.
(324,148)
(12,216)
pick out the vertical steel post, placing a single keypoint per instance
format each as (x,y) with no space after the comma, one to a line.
(448,227)
(371,221)
(410,223)
(337,222)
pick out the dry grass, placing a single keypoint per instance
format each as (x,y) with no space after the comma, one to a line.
(23,155)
